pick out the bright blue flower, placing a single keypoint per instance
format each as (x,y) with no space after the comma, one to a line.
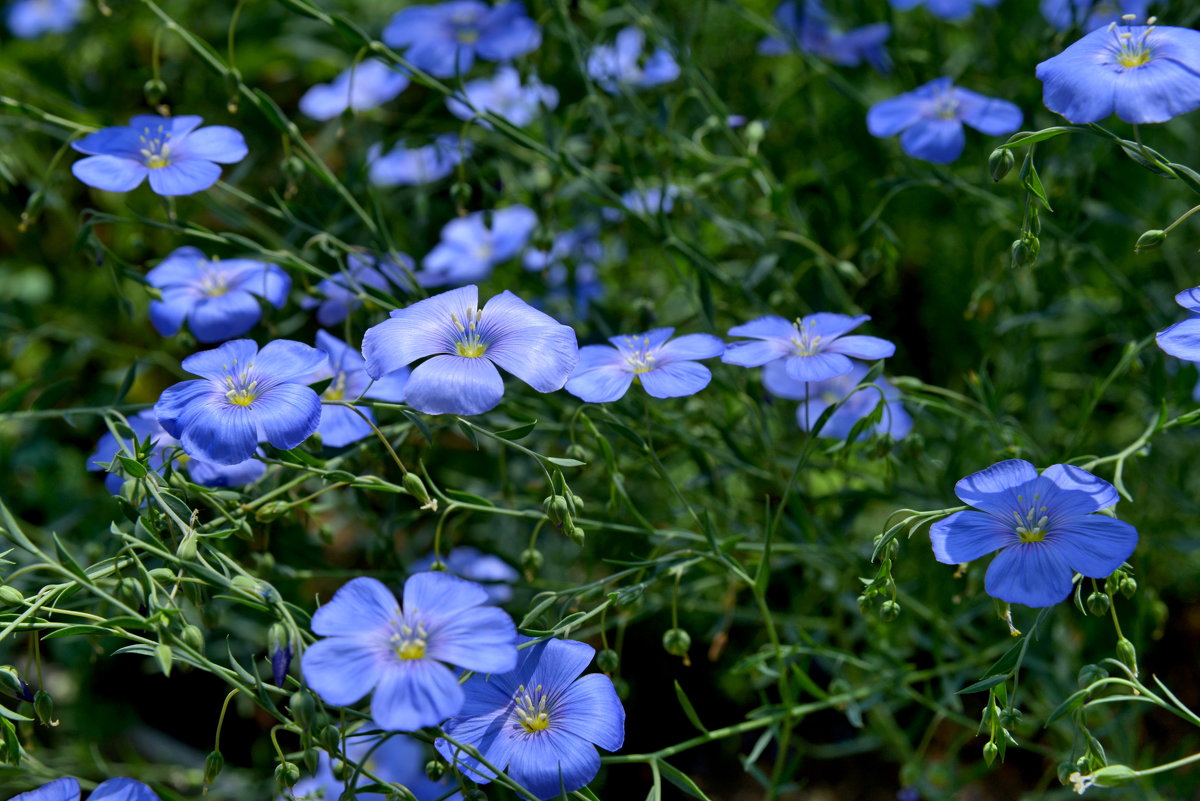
(244,396)
(467,344)
(339,425)
(1091,14)
(398,760)
(812,348)
(504,96)
(946,9)
(488,571)
(930,119)
(620,64)
(342,292)
(539,723)
(470,250)
(1043,527)
(402,166)
(67,789)
(1182,339)
(178,159)
(29,19)
(217,297)
(1143,73)
(806,27)
(371,642)
(858,403)
(664,369)
(445,39)
(359,88)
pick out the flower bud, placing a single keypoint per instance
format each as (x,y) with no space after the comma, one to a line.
(272,511)
(556,509)
(312,760)
(1019,254)
(43,706)
(154,90)
(1098,603)
(1113,775)
(193,637)
(864,603)
(1089,674)
(1150,240)
(608,661)
(460,193)
(989,752)
(12,683)
(303,706)
(1128,586)
(341,770)
(531,562)
(293,168)
(330,739)
(162,575)
(676,642)
(10,596)
(1001,162)
(1127,654)
(578,452)
(187,548)
(577,535)
(888,611)
(213,764)
(287,774)
(435,769)
(415,487)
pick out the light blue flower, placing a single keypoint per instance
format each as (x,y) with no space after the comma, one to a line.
(341,292)
(1143,73)
(29,19)
(504,96)
(1091,14)
(930,119)
(1043,526)
(244,396)
(664,369)
(621,64)
(445,39)
(371,642)
(818,396)
(339,425)
(946,9)
(403,166)
(467,344)
(539,723)
(362,87)
(67,789)
(397,760)
(1182,339)
(485,569)
(806,27)
(812,348)
(578,285)
(177,158)
(471,247)
(644,202)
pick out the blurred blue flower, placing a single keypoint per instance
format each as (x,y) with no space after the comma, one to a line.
(580,244)
(215,296)
(653,201)
(371,642)
(579,285)
(1143,73)
(403,166)
(930,119)
(946,9)
(396,760)
(806,26)
(488,571)
(664,369)
(29,19)
(342,291)
(467,344)
(67,789)
(539,723)
(360,88)
(818,396)
(244,395)
(339,425)
(470,249)
(1043,527)
(620,64)
(1091,14)
(1182,339)
(445,39)
(812,348)
(178,159)
(504,96)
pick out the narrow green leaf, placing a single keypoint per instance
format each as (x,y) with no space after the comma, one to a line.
(688,709)
(681,780)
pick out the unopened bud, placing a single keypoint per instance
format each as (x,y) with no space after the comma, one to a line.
(341,770)
(10,596)
(293,168)
(1150,240)
(577,535)
(578,452)
(154,91)
(1127,654)
(415,487)
(676,642)
(608,660)
(187,548)
(43,705)
(557,509)
(287,774)
(193,637)
(1113,775)
(531,562)
(213,765)
(1090,674)
(303,706)
(1000,162)
(1098,603)
(889,611)
(990,752)
(1128,586)
(12,683)
(272,511)
(435,769)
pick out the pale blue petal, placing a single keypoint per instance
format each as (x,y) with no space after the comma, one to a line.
(1030,573)
(266,280)
(167,315)
(755,354)
(600,384)
(548,766)
(817,367)
(218,143)
(691,346)
(1189,299)
(511,228)
(287,360)
(415,693)
(65,789)
(966,536)
(436,595)
(770,327)
(181,267)
(214,363)
(454,385)
(590,709)
(554,663)
(110,173)
(184,177)
(343,669)
(1095,545)
(648,340)
(223,316)
(392,387)
(422,329)
(482,639)
(217,431)
(122,790)
(987,115)
(781,385)
(341,426)
(361,606)
(117,141)
(1077,84)
(287,414)
(675,379)
(507,32)
(661,67)
(994,489)
(490,734)
(531,345)
(176,399)
(215,475)
(940,141)
(890,117)
(1181,340)
(862,347)
(829,325)
(1159,90)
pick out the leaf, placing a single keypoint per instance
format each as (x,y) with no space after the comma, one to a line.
(1034,184)
(68,561)
(162,652)
(1023,138)
(126,383)
(517,432)
(469,433)
(1072,703)
(681,780)
(561,462)
(76,631)
(132,466)
(688,709)
(985,684)
(467,497)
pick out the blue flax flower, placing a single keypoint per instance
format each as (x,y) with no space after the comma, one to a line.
(244,396)
(445,39)
(471,248)
(1145,73)
(339,425)
(413,166)
(217,297)
(29,19)
(403,653)
(946,9)
(488,571)
(1091,14)
(621,64)
(360,88)
(644,202)
(178,159)
(664,369)
(806,27)
(930,119)
(1043,527)
(67,789)
(856,403)
(504,96)
(396,760)
(813,347)
(539,723)
(1182,339)
(342,292)
(467,344)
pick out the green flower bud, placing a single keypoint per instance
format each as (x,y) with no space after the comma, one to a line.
(341,770)
(1127,654)
(1090,674)
(1001,162)
(272,511)
(557,509)
(415,487)
(293,167)
(888,611)
(43,705)
(1150,240)
(460,193)
(989,752)
(1113,775)
(303,706)
(1098,603)
(312,760)
(608,661)
(435,769)
(330,739)
(578,452)
(1019,254)
(154,90)
(531,562)
(213,764)
(287,774)
(162,575)
(1009,718)
(187,548)
(1128,586)
(10,596)
(676,642)
(577,535)
(193,637)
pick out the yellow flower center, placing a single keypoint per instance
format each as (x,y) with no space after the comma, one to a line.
(242,391)
(469,342)
(532,718)
(1032,527)
(337,389)
(409,643)
(156,150)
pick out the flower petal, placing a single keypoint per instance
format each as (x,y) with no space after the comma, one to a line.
(528,343)
(414,693)
(229,315)
(690,347)
(1030,573)
(283,360)
(938,141)
(554,663)
(216,431)
(1095,545)
(862,347)
(65,789)
(1075,491)
(343,669)
(184,177)
(554,763)
(987,115)
(482,639)
(122,789)
(675,379)
(454,385)
(817,367)
(360,606)
(600,384)
(341,426)
(1077,84)
(212,363)
(218,143)
(1181,340)
(590,709)
(167,315)
(422,329)
(890,117)
(994,489)
(110,173)
(435,595)
(490,734)
(287,414)
(176,399)
(966,536)
(769,327)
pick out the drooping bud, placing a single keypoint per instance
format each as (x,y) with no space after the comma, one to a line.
(989,752)
(435,769)
(1001,162)
(287,774)
(531,562)
(1098,603)
(557,510)
(888,611)
(213,764)
(1127,654)
(676,642)
(415,487)
(187,548)
(303,706)
(279,644)
(43,705)
(154,90)
(193,637)
(1150,240)
(577,535)
(608,661)
(272,511)
(10,596)
(1128,586)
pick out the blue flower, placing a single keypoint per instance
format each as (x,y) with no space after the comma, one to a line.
(403,166)
(343,291)
(580,244)
(489,571)
(1182,339)
(644,202)
(856,403)
(396,760)
(930,119)
(339,425)
(360,88)
(445,39)
(946,9)
(1143,73)
(812,348)
(67,789)
(371,642)
(215,296)
(178,159)
(1043,527)
(29,19)
(244,396)
(504,96)
(467,343)
(806,27)
(664,369)
(1091,14)
(470,249)
(620,64)
(578,287)
(539,723)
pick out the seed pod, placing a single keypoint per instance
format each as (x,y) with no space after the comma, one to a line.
(1098,603)
(531,562)
(1001,162)
(1128,586)
(676,642)
(415,487)
(303,706)
(287,774)
(989,752)
(1150,240)
(43,705)
(889,611)
(154,90)
(608,660)
(435,769)
(213,764)
(1127,654)
(1089,674)
(1113,775)
(193,637)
